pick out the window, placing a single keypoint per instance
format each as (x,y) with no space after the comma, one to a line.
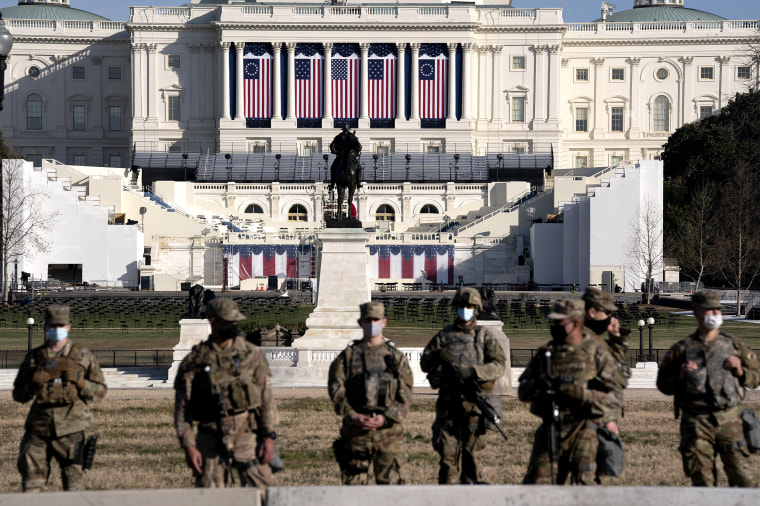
(518,63)
(35,159)
(173,108)
(114,73)
(618,74)
(297,212)
(518,110)
(254,208)
(705,111)
(33,72)
(307,150)
(662,74)
(114,118)
(706,73)
(581,119)
(385,213)
(383,150)
(79,160)
(743,73)
(615,160)
(173,61)
(429,209)
(616,114)
(258,148)
(581,75)
(78,72)
(661,114)
(34,112)
(581,162)
(114,161)
(175,148)
(79,117)
(433,150)
(518,150)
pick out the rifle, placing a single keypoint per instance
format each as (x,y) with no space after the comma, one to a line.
(554,417)
(228,441)
(88,453)
(485,408)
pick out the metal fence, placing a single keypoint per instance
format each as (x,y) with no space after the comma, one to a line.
(11,359)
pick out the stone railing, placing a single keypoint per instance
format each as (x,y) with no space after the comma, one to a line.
(696,28)
(21,27)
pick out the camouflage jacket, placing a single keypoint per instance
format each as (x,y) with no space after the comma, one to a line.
(59,419)
(591,367)
(365,379)
(240,373)
(487,369)
(617,346)
(710,387)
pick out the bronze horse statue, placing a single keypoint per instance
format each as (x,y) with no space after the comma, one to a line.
(345,170)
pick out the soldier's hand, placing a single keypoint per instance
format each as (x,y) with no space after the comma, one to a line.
(40,378)
(375,422)
(572,391)
(446,355)
(194,459)
(612,427)
(266,450)
(562,379)
(687,366)
(614,326)
(361,421)
(74,374)
(734,364)
(464,372)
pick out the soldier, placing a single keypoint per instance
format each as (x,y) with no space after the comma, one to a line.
(370,383)
(462,360)
(581,382)
(64,379)
(224,384)
(707,373)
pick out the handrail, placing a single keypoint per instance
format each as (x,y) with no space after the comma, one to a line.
(506,208)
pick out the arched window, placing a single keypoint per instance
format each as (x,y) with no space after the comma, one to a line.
(661,114)
(254,208)
(385,213)
(429,209)
(33,112)
(297,212)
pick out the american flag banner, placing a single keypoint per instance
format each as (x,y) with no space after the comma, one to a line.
(345,81)
(408,262)
(433,81)
(308,76)
(381,74)
(257,80)
(247,261)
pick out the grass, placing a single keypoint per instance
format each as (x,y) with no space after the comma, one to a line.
(138,449)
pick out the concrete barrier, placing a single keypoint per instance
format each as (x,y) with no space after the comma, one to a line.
(163,497)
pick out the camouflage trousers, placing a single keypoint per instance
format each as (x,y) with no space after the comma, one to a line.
(216,471)
(34,460)
(703,435)
(576,456)
(458,437)
(383,448)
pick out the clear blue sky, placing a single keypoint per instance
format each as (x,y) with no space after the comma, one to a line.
(574,10)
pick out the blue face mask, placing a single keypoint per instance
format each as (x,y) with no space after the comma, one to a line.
(465,314)
(56,334)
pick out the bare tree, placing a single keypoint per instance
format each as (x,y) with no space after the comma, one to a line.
(646,253)
(751,59)
(25,221)
(698,234)
(739,243)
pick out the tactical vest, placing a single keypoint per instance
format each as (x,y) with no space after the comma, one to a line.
(372,379)
(57,392)
(230,375)
(710,385)
(467,351)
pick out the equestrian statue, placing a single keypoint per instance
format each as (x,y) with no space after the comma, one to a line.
(345,172)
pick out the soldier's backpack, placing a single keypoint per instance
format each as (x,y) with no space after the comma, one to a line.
(609,455)
(751,423)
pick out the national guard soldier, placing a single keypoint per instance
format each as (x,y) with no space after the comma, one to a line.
(463,360)
(576,375)
(64,380)
(707,373)
(370,383)
(224,384)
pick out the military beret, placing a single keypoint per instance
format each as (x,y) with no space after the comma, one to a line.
(224,309)
(597,297)
(57,315)
(572,309)
(706,300)
(372,310)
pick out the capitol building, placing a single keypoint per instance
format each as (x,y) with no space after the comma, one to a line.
(482,124)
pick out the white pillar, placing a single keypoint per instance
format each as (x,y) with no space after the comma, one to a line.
(452,113)
(277,91)
(401,84)
(635,121)
(138,81)
(553,82)
(415,81)
(291,46)
(488,80)
(689,114)
(239,105)
(195,89)
(364,102)
(599,79)
(152,83)
(466,80)
(498,98)
(726,74)
(539,94)
(224,55)
(328,116)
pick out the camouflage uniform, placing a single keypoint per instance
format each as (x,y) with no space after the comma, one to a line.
(710,399)
(593,370)
(60,413)
(370,380)
(240,373)
(459,426)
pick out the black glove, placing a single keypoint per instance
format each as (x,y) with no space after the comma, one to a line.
(572,391)
(446,355)
(561,379)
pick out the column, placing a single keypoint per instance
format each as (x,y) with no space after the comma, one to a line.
(539,100)
(415,81)
(328,117)
(452,113)
(466,79)
(277,85)
(498,98)
(239,104)
(364,102)
(725,78)
(138,80)
(291,46)
(478,91)
(194,85)
(635,106)
(488,79)
(224,55)
(599,79)
(152,95)
(553,82)
(689,114)
(401,84)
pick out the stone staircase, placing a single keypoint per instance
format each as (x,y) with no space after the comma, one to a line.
(116,377)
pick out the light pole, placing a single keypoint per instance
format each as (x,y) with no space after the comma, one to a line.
(6,43)
(641,324)
(29,325)
(650,324)
(277,329)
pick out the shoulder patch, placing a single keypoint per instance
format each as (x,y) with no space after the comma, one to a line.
(668,354)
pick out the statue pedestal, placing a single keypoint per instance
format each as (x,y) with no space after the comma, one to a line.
(503,385)
(191,332)
(343,284)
